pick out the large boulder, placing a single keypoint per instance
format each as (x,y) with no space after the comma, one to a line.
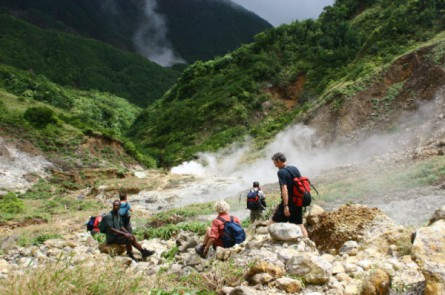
(185,241)
(285,232)
(312,268)
(429,252)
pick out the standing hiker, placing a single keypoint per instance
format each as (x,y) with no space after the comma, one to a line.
(116,233)
(287,210)
(256,202)
(226,231)
(124,211)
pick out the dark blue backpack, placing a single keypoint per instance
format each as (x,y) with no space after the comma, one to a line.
(233,233)
(253,200)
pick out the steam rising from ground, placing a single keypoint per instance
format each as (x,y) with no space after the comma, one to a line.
(151,37)
(300,144)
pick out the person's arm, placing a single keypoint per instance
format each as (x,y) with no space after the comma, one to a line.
(119,231)
(285,198)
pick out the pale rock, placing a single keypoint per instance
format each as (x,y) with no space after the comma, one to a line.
(351,289)
(226,290)
(54,252)
(328,257)
(337,267)
(350,267)
(343,277)
(289,285)
(191,259)
(261,278)
(286,254)
(186,240)
(175,268)
(26,262)
(157,245)
(349,247)
(314,269)
(365,264)
(243,290)
(4,266)
(306,245)
(285,232)
(222,253)
(429,252)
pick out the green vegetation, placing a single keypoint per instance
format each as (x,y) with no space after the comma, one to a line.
(167,231)
(61,278)
(223,27)
(10,205)
(73,61)
(59,120)
(39,117)
(26,241)
(217,102)
(41,203)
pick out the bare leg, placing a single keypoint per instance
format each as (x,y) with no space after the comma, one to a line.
(304,231)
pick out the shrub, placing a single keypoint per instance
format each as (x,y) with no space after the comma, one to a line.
(40,117)
(10,204)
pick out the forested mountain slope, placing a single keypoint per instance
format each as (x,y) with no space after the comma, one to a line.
(260,88)
(197,29)
(74,61)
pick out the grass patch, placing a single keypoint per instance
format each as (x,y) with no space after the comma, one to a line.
(60,279)
(25,241)
(165,232)
(178,215)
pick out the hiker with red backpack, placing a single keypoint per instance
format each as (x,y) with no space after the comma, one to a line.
(225,231)
(256,202)
(295,193)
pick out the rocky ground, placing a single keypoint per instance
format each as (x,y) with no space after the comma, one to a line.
(352,250)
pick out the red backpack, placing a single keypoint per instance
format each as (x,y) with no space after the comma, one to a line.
(302,190)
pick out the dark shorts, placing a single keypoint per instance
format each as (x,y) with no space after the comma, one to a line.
(115,239)
(296,215)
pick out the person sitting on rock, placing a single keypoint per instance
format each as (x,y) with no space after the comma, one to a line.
(124,211)
(116,233)
(225,231)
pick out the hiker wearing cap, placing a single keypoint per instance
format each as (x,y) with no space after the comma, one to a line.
(256,202)
(287,210)
(116,233)
(225,231)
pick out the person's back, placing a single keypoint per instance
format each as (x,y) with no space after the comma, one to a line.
(256,202)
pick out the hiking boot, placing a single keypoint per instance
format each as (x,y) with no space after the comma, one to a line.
(145,253)
(200,251)
(131,256)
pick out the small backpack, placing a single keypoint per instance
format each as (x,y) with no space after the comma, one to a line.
(233,233)
(253,200)
(302,191)
(102,226)
(93,224)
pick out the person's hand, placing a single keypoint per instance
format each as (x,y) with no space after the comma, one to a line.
(286,211)
(128,235)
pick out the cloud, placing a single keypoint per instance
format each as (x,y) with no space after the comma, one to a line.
(278,12)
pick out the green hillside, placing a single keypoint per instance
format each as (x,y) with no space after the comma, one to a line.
(73,61)
(245,92)
(222,25)
(59,120)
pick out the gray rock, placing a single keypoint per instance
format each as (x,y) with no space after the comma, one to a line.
(429,252)
(285,232)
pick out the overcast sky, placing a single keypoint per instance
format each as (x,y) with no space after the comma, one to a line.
(278,12)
